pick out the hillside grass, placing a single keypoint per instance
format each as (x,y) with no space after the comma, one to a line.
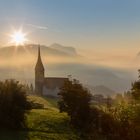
(44,124)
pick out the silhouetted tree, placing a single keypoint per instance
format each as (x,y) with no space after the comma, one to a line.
(31,89)
(13,104)
(75,100)
(135,90)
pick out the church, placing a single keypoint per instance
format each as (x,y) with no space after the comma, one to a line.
(46,85)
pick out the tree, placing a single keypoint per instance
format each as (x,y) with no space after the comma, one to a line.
(13,104)
(31,88)
(135,90)
(75,100)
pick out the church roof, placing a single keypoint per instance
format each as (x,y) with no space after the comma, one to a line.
(54,82)
(39,64)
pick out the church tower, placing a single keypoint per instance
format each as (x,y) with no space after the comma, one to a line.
(39,75)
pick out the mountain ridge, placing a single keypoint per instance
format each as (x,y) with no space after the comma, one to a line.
(54,49)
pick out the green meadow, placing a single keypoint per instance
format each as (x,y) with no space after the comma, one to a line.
(44,124)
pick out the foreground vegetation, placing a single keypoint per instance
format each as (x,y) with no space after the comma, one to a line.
(26,117)
(112,121)
(13,105)
(43,124)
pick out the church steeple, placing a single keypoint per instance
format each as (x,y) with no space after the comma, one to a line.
(39,64)
(39,74)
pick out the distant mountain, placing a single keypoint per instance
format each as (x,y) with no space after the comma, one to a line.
(67,50)
(103,90)
(31,49)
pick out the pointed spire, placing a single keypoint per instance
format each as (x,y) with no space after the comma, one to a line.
(39,64)
(39,56)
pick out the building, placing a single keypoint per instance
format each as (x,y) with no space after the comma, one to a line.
(46,85)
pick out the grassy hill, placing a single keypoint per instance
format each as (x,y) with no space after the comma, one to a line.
(44,124)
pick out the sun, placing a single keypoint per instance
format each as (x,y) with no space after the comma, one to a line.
(18,38)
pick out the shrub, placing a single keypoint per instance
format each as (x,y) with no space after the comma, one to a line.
(129,124)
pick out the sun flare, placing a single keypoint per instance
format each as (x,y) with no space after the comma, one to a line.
(18,38)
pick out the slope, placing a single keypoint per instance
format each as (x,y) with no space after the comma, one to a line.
(43,124)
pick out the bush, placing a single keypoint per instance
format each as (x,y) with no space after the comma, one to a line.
(120,122)
(13,104)
(129,123)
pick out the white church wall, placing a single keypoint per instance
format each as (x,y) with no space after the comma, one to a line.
(50,92)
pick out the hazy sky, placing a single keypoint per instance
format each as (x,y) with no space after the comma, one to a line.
(97,25)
